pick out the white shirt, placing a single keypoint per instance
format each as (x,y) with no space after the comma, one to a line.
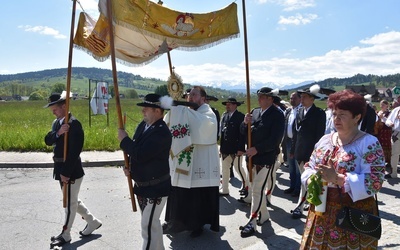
(291,119)
(394,119)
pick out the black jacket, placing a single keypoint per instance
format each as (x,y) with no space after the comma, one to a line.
(72,167)
(308,130)
(266,134)
(148,155)
(231,138)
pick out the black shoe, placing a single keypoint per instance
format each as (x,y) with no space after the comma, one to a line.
(171,229)
(247,230)
(196,233)
(296,213)
(388,176)
(288,191)
(53,238)
(244,191)
(58,242)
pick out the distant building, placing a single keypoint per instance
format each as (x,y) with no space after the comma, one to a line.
(6,98)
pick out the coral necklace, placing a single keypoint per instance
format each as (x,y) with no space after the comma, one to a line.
(351,141)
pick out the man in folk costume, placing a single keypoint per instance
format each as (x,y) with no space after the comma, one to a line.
(309,128)
(232,145)
(149,166)
(195,167)
(267,124)
(70,171)
(294,172)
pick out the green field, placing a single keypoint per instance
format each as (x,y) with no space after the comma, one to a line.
(23,125)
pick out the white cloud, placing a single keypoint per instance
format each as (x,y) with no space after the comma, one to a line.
(44,30)
(297,19)
(377,55)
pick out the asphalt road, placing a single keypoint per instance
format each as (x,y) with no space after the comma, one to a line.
(31,205)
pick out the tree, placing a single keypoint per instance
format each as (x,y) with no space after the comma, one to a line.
(131,93)
(58,88)
(162,90)
(35,96)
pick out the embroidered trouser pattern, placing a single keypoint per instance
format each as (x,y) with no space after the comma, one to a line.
(152,233)
(259,201)
(226,162)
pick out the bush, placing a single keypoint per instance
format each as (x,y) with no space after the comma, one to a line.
(36,96)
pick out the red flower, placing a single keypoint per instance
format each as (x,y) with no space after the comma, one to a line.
(371,158)
(377,185)
(183,130)
(175,133)
(348,157)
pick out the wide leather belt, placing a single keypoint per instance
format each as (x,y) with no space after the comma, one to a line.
(152,182)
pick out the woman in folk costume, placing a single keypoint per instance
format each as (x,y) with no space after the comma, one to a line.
(267,125)
(384,132)
(352,162)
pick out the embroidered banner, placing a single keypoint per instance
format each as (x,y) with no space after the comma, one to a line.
(143,30)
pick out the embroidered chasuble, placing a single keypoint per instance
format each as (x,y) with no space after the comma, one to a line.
(194,160)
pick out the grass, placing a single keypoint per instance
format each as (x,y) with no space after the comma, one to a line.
(23,125)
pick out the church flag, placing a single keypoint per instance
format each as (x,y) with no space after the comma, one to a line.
(99,102)
(144,30)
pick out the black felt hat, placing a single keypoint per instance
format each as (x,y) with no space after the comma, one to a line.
(211,98)
(54,99)
(269,92)
(151,100)
(231,100)
(312,91)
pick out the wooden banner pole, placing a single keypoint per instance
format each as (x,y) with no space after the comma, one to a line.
(117,98)
(246,55)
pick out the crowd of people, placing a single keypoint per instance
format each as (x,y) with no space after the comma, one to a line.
(176,164)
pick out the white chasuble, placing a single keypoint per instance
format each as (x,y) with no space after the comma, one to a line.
(194,160)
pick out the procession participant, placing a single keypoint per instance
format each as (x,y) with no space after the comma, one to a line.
(267,125)
(232,145)
(393,121)
(294,172)
(271,177)
(195,171)
(352,163)
(216,112)
(309,128)
(384,132)
(70,171)
(148,153)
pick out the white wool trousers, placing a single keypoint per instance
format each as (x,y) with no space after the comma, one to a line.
(74,205)
(152,232)
(226,164)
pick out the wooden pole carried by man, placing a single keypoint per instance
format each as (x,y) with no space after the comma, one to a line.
(68,90)
(117,98)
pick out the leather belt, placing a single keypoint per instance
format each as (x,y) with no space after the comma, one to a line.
(152,182)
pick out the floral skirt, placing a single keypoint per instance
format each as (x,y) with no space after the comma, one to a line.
(384,137)
(320,232)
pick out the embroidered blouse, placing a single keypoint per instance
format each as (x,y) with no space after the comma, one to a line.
(362,162)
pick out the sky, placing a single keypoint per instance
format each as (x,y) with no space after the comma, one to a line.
(289,41)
